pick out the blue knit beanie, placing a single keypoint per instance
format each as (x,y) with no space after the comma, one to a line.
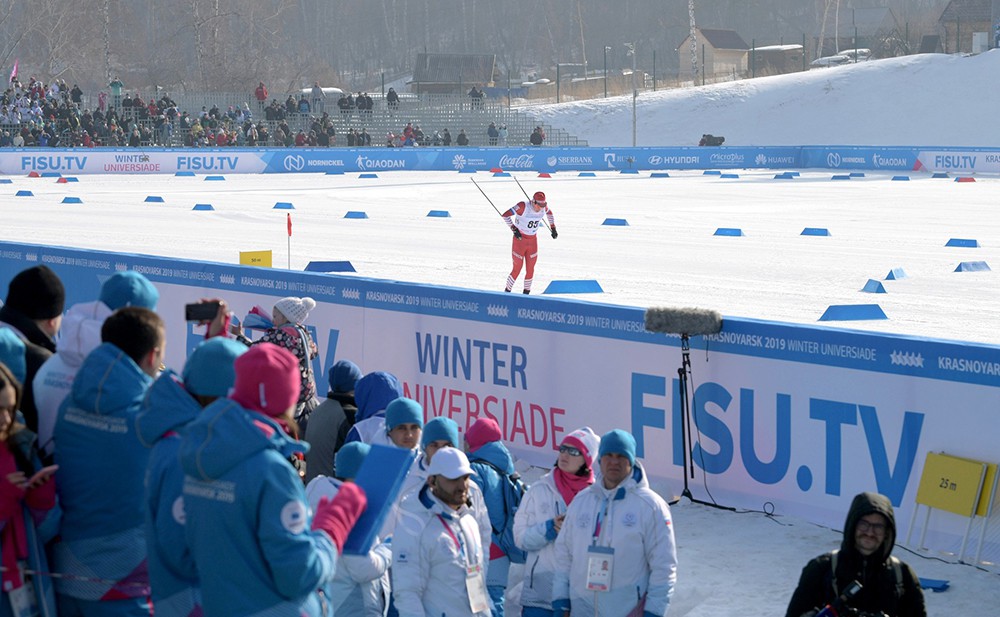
(349,457)
(12,354)
(343,375)
(129,288)
(618,442)
(209,369)
(440,429)
(403,411)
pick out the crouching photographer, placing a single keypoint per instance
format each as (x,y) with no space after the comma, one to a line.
(886,586)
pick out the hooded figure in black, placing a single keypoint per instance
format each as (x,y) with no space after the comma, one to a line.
(888,585)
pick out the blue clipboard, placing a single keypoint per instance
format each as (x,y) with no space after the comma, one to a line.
(381,476)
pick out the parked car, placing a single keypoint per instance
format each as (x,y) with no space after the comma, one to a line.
(847,56)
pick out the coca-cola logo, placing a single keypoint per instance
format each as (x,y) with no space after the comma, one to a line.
(523,161)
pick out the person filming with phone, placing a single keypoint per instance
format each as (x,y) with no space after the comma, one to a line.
(888,585)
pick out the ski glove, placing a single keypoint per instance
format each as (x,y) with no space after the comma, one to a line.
(337,516)
(555,234)
(517,232)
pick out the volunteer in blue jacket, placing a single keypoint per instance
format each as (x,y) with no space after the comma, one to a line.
(170,406)
(490,460)
(246,517)
(101,470)
(361,586)
(615,554)
(543,514)
(373,393)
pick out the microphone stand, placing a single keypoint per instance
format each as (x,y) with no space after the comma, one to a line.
(687,440)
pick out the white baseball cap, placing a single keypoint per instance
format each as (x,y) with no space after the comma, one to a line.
(450,463)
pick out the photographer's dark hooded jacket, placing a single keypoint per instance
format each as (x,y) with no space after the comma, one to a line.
(877,575)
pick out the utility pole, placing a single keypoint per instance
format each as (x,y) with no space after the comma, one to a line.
(635,91)
(694,44)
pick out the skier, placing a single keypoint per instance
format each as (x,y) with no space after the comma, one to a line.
(527,217)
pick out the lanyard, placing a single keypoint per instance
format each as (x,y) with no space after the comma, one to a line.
(601,514)
(459,544)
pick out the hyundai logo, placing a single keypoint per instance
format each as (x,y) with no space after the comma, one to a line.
(295,162)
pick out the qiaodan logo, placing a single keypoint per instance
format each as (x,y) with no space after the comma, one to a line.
(295,162)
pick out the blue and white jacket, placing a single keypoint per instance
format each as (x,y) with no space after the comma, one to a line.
(489,481)
(102,466)
(167,409)
(636,523)
(361,586)
(247,520)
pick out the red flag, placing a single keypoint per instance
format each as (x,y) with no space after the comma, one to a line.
(13,74)
(289,225)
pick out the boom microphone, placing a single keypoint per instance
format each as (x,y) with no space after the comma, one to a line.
(689,321)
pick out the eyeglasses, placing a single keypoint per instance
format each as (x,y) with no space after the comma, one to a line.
(569,450)
(876,528)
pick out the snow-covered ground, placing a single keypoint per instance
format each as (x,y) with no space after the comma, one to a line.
(745,563)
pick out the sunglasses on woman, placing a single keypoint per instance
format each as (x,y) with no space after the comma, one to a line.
(569,450)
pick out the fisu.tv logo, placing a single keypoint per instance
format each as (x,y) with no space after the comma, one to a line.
(730,427)
(53,163)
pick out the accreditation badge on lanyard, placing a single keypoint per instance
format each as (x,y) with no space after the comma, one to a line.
(600,565)
(475,581)
(22,599)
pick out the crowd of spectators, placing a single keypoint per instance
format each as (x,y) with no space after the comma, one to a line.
(54,115)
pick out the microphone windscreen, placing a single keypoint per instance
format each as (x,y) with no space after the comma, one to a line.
(690,321)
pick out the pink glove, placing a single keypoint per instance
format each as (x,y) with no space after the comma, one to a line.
(337,517)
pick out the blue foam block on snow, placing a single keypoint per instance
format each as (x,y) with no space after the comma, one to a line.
(439,214)
(815,231)
(24,193)
(587,174)
(940,174)
(283,205)
(330,266)
(615,222)
(963,242)
(857,174)
(900,178)
(334,173)
(6,181)
(72,200)
(873,287)
(368,175)
(794,174)
(215,178)
(51,174)
(973,266)
(629,171)
(70,179)
(659,174)
(896,274)
(466,170)
(841,177)
(355,214)
(184,174)
(583,286)
(729,176)
(501,174)
(784,176)
(853,312)
(203,207)
(153,199)
(728,231)
(711,172)
(936,585)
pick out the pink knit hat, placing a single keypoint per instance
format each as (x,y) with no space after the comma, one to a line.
(586,441)
(484,431)
(267,379)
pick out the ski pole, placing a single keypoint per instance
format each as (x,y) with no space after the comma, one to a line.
(486,196)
